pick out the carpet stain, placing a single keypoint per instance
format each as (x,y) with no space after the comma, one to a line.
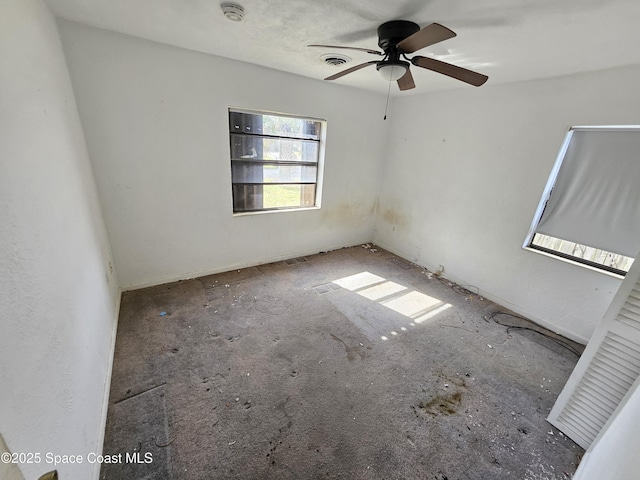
(442,404)
(351,351)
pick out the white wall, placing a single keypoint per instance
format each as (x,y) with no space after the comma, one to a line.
(156,123)
(463,176)
(58,297)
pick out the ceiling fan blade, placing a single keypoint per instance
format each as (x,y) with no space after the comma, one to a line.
(349,70)
(429,35)
(406,81)
(459,73)
(367,50)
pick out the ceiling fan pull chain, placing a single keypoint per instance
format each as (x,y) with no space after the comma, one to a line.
(387,105)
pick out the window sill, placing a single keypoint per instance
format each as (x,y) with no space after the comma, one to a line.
(282,210)
(572,262)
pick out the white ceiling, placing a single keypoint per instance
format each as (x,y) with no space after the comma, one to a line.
(509,40)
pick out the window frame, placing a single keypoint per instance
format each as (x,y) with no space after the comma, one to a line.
(318,164)
(546,194)
(583,262)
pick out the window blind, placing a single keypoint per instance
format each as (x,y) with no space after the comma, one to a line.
(595,199)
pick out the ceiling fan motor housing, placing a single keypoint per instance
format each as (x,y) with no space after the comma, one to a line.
(393,32)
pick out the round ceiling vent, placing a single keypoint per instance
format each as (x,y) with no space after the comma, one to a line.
(233,11)
(335,59)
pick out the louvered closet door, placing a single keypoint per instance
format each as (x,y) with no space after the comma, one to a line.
(607,369)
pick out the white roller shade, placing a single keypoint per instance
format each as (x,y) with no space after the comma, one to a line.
(595,200)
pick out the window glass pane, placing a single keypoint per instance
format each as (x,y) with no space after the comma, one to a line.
(290,127)
(248,198)
(245,123)
(259,148)
(281,196)
(276,125)
(583,252)
(247,173)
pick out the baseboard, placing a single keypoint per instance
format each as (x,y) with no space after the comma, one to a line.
(227,268)
(107,386)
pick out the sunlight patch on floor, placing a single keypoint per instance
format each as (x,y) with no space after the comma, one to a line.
(381,290)
(358,281)
(415,306)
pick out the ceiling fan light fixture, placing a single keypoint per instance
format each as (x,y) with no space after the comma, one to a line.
(233,11)
(392,71)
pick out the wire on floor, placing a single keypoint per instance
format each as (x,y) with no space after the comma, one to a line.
(539,330)
(464,290)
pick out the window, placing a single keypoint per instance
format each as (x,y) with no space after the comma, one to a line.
(275,161)
(594,257)
(590,209)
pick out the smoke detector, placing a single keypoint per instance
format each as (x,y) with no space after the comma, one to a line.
(335,59)
(233,11)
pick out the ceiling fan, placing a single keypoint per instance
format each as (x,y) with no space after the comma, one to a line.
(397,38)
